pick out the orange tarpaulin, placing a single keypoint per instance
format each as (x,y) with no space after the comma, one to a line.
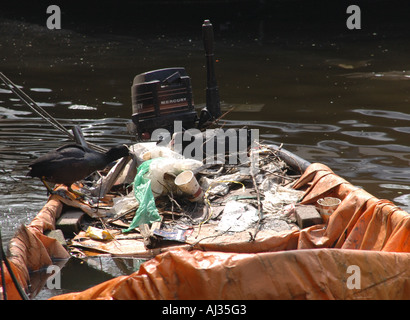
(295,274)
(360,222)
(31,250)
(363,253)
(377,269)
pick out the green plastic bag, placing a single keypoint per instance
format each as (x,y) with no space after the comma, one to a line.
(147,211)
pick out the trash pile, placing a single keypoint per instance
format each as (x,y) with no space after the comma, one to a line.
(157,199)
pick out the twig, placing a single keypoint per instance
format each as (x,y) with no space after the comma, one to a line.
(214,236)
(174,201)
(257,196)
(223,115)
(116,242)
(278,175)
(171,198)
(122,214)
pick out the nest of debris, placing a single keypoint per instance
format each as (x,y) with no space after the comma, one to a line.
(244,198)
(235,203)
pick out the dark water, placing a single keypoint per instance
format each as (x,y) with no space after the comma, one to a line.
(337,97)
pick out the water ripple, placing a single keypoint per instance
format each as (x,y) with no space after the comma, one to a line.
(386,114)
(288,127)
(372,135)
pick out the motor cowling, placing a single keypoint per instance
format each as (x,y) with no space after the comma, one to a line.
(159,98)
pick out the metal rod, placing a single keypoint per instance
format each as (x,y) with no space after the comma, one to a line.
(42,113)
(212,91)
(33,105)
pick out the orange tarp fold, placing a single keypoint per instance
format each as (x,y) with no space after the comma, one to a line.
(363,253)
(295,274)
(31,250)
(360,222)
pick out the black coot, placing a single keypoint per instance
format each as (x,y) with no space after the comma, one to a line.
(71,163)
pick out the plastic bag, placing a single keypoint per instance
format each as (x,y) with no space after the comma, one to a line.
(147,211)
(161,152)
(123,204)
(237,217)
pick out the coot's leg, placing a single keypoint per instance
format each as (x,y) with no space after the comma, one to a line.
(49,189)
(79,194)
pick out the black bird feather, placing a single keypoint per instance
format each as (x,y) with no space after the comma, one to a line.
(73,162)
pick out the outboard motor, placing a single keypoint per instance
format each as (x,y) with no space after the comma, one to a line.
(163,96)
(159,98)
